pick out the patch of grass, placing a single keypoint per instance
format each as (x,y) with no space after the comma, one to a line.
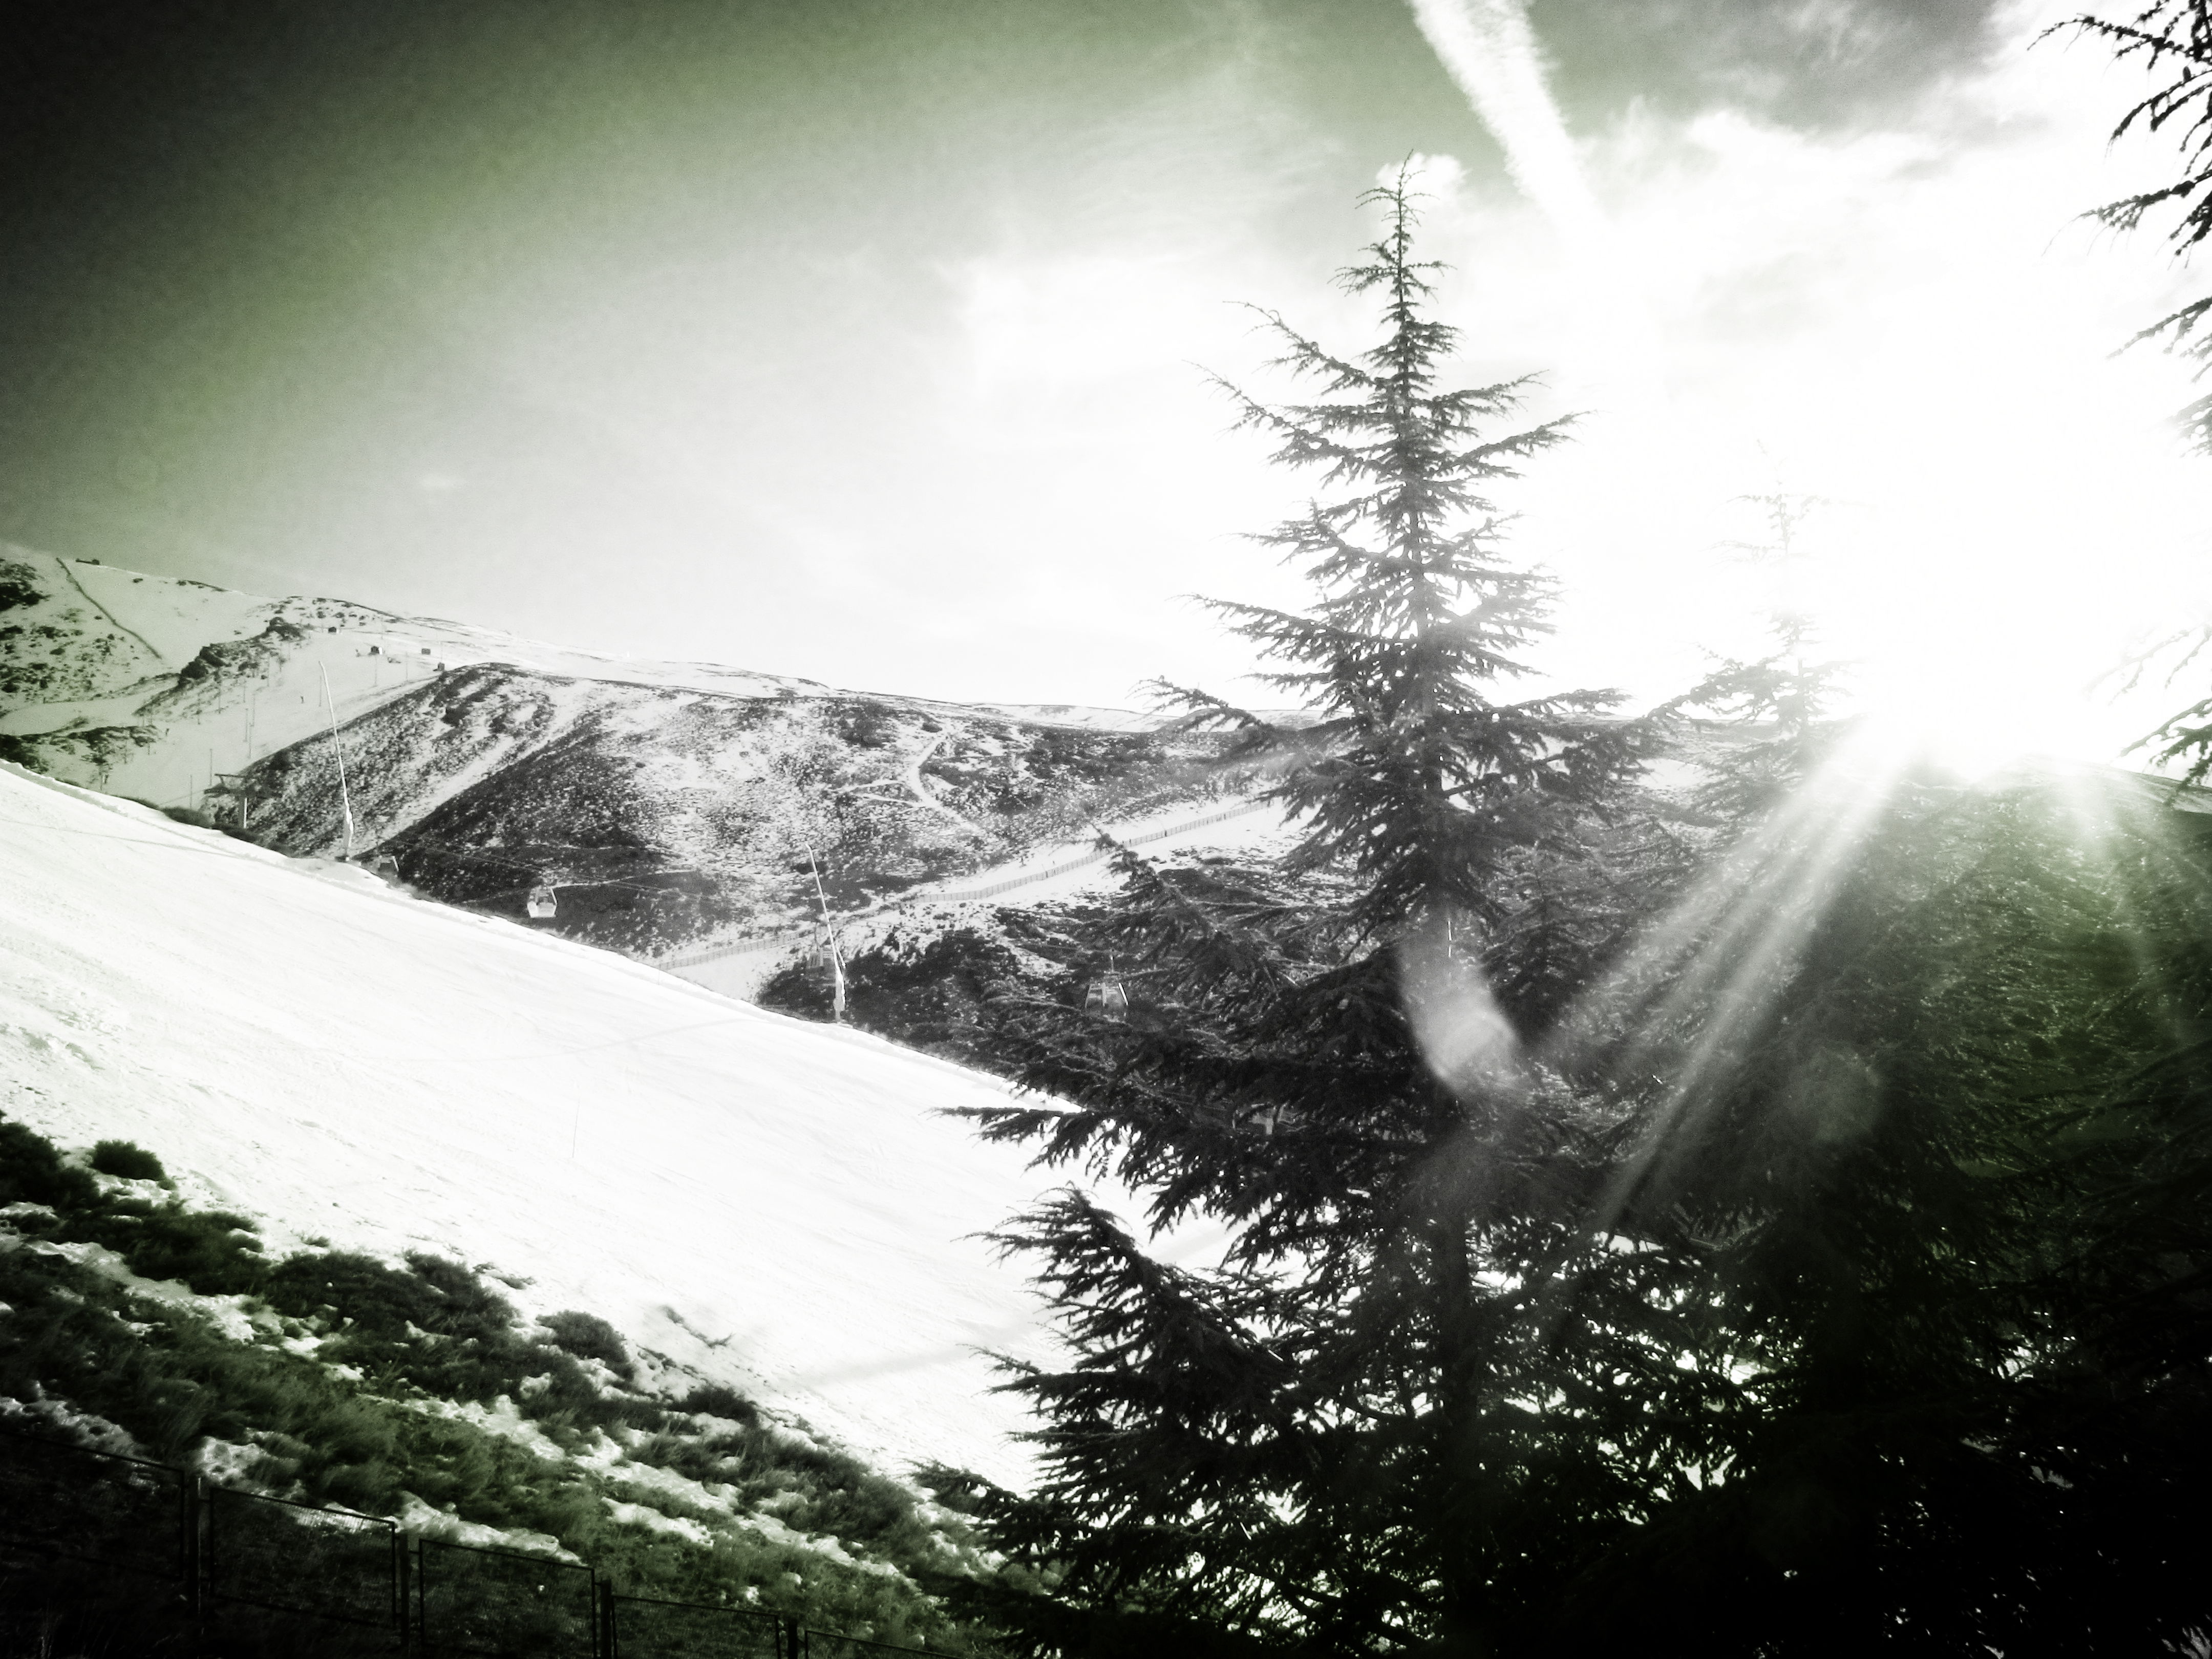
(423,1332)
(126,1160)
(31,1172)
(588,1336)
(212,1251)
(720,1400)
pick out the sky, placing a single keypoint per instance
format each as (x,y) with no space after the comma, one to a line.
(870,340)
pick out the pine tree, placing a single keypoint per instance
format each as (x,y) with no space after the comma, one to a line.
(2172,38)
(1786,688)
(1928,1115)
(2186,736)
(1394,1418)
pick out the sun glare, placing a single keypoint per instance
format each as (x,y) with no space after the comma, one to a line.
(1974,719)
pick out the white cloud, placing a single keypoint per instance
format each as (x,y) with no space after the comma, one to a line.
(1492,53)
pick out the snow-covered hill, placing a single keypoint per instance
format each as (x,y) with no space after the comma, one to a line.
(671,804)
(774,1204)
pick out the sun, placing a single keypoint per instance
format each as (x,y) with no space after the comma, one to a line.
(1973,713)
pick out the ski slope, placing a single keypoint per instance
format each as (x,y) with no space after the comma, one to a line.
(773,1204)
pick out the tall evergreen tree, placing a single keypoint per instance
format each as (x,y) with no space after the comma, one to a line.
(1787,690)
(1919,1098)
(2172,40)
(1392,1419)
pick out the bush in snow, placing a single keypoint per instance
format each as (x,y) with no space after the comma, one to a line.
(128,1160)
(588,1336)
(31,1172)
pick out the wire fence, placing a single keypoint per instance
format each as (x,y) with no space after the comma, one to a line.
(784,938)
(210,1547)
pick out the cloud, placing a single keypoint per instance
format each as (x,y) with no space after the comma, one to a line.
(1814,64)
(1491,52)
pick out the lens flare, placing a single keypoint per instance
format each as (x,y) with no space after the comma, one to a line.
(1465,1036)
(1714,965)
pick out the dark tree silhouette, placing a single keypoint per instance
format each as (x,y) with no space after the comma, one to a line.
(1788,691)
(1353,1434)
(2171,38)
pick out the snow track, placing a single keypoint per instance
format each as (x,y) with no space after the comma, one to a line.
(1008,879)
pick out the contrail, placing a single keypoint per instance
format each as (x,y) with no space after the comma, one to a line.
(1489,48)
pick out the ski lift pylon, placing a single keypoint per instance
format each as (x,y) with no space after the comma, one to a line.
(825,966)
(542,902)
(826,953)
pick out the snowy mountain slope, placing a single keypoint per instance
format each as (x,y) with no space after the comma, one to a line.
(1054,872)
(672,803)
(769,1202)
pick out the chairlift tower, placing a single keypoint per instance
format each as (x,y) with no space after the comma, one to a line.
(243,789)
(828,949)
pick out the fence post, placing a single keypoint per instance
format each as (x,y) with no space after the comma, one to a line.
(403,1584)
(607,1648)
(791,1640)
(193,1518)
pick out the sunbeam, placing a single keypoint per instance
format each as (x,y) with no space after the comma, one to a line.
(1713,966)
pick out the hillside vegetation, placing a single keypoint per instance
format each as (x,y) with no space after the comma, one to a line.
(413,1388)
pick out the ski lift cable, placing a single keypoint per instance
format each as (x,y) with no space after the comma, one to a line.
(180,845)
(345,795)
(783,939)
(547,1053)
(413,841)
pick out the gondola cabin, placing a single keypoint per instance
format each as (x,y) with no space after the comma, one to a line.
(1105,998)
(542,904)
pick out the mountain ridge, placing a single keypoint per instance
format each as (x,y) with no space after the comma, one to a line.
(668,805)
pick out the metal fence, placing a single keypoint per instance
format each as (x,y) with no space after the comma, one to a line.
(470,1599)
(127,1515)
(647,1627)
(426,1598)
(326,1564)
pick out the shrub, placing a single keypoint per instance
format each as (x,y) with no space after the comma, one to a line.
(720,1400)
(170,1379)
(588,1336)
(958,1490)
(379,1300)
(127,1160)
(467,1306)
(31,1172)
(213,1251)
